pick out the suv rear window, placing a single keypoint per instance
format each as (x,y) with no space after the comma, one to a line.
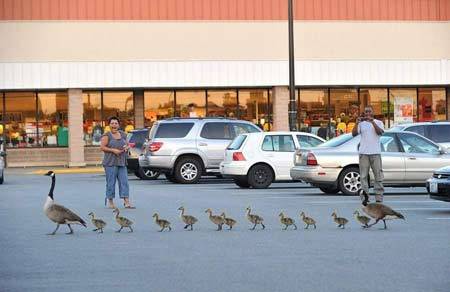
(417,129)
(173,130)
(237,142)
(241,128)
(440,133)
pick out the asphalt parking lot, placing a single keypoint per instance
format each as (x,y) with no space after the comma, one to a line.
(412,255)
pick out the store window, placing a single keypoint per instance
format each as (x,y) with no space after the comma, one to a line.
(2,115)
(432,104)
(20,119)
(92,117)
(254,107)
(53,119)
(121,105)
(378,99)
(222,103)
(191,104)
(344,109)
(403,102)
(313,111)
(158,105)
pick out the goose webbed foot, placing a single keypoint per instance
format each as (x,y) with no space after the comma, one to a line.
(71,230)
(95,229)
(192,227)
(119,229)
(315,226)
(263,226)
(295,227)
(170,228)
(131,229)
(185,227)
(307,225)
(376,221)
(385,226)
(54,231)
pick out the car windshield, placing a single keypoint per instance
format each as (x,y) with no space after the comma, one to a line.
(338,141)
(397,128)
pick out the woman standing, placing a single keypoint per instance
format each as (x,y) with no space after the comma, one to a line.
(115,147)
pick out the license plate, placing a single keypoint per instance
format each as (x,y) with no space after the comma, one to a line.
(433,187)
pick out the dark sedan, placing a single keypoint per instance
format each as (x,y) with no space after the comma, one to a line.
(439,185)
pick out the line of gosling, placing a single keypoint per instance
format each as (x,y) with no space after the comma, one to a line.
(222,219)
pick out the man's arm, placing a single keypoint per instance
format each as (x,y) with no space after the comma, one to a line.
(355,129)
(378,130)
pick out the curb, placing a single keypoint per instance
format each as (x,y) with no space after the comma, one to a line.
(70,170)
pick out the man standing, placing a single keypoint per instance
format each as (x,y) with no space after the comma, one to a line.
(369,150)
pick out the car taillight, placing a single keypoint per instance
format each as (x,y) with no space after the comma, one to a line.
(155,146)
(238,156)
(132,145)
(311,159)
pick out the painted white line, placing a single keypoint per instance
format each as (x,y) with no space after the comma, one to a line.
(386,202)
(438,218)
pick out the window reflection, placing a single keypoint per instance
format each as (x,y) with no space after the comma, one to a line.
(344,109)
(222,103)
(254,107)
(92,117)
(191,104)
(20,119)
(121,105)
(377,98)
(432,104)
(53,119)
(158,105)
(313,112)
(403,102)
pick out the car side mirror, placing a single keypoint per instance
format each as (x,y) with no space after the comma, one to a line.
(443,150)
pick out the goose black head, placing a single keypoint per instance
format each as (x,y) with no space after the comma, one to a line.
(50,173)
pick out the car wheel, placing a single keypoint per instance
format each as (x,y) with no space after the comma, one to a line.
(329,190)
(349,181)
(260,176)
(242,183)
(148,174)
(188,170)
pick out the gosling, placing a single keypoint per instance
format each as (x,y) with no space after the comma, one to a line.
(364,220)
(98,223)
(340,221)
(187,219)
(122,221)
(228,221)
(161,223)
(254,219)
(308,220)
(286,221)
(218,220)
(379,211)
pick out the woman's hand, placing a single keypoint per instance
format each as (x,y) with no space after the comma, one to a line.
(116,151)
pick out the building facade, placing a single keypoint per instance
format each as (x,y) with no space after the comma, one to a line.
(67,65)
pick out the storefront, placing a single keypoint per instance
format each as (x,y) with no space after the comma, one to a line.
(66,67)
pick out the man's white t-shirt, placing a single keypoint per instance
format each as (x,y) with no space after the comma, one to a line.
(370,141)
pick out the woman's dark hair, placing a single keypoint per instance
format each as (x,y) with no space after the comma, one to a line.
(113,118)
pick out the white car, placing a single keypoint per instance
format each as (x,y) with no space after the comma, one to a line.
(258,159)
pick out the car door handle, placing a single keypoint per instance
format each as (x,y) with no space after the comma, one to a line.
(411,158)
(202,144)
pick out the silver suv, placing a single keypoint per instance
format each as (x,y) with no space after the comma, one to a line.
(184,149)
(438,132)
(2,161)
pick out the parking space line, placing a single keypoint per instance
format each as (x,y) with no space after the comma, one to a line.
(438,218)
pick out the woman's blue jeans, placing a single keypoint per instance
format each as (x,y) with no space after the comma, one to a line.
(120,174)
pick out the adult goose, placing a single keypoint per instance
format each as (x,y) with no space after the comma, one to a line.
(58,213)
(378,211)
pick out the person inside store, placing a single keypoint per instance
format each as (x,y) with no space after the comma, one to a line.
(115,147)
(322,132)
(369,150)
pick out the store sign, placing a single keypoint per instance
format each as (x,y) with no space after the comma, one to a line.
(403,109)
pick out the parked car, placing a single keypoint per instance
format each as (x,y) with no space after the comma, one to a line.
(2,162)
(408,160)
(136,140)
(438,132)
(439,185)
(258,159)
(184,149)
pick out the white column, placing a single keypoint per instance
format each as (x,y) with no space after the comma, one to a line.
(280,95)
(76,143)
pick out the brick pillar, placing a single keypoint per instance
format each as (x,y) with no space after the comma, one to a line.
(280,95)
(138,108)
(76,142)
